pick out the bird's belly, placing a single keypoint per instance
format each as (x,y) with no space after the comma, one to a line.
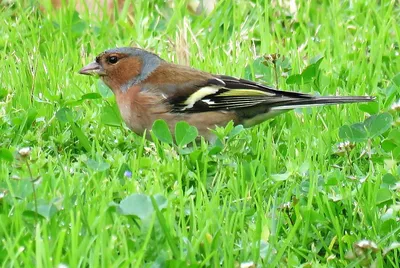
(140,118)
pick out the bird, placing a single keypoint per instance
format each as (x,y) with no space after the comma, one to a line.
(148,88)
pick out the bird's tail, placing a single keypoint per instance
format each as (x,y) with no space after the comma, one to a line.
(288,104)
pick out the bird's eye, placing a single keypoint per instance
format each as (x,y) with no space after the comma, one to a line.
(112,59)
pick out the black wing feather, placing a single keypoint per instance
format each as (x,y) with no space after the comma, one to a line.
(234,94)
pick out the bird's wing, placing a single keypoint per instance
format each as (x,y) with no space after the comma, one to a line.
(221,92)
(228,93)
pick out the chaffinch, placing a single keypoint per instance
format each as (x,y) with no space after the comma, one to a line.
(148,88)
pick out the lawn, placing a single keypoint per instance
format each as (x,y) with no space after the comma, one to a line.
(311,188)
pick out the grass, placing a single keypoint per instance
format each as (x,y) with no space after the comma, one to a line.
(92,193)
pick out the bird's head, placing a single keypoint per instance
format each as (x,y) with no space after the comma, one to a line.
(122,68)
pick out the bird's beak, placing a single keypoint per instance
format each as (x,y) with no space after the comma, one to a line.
(92,69)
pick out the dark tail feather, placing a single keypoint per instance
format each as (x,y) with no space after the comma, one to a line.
(316,101)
